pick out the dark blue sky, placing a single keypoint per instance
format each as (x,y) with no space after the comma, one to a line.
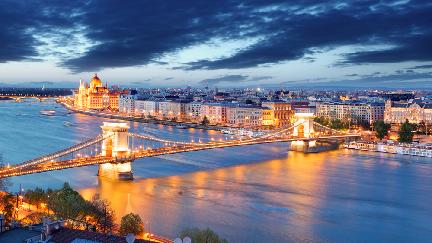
(241,43)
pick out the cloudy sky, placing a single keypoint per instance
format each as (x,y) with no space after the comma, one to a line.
(223,43)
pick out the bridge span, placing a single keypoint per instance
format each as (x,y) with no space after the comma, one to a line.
(116,148)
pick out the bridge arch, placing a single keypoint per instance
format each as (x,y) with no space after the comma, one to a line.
(303,126)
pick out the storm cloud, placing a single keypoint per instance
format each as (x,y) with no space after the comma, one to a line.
(134,33)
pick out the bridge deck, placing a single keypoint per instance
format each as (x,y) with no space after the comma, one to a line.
(143,153)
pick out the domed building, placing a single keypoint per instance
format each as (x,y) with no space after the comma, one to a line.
(96,96)
(95,82)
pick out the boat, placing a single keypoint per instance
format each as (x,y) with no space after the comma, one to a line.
(229,131)
(47,112)
(255,134)
(181,126)
(68,124)
(422,150)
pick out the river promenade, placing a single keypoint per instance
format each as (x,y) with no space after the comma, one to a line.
(141,119)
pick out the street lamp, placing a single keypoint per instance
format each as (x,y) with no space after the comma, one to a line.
(48,197)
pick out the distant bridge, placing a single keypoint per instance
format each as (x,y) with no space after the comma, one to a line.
(28,96)
(116,148)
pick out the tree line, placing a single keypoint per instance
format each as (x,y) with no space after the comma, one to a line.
(406,131)
(67,204)
(342,124)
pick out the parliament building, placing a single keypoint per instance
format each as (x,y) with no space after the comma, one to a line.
(96,96)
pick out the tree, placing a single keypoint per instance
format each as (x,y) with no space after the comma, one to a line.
(5,182)
(101,214)
(381,129)
(202,236)
(36,197)
(337,124)
(67,203)
(205,121)
(405,132)
(131,224)
(363,124)
(322,120)
(7,206)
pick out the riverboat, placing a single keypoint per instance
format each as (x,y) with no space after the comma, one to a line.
(422,150)
(48,112)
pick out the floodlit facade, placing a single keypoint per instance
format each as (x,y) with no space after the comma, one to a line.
(96,96)
(216,113)
(283,114)
(415,112)
(127,103)
(347,110)
(193,110)
(146,107)
(247,116)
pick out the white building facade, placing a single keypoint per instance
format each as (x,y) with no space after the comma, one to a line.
(415,112)
(146,107)
(354,111)
(245,116)
(127,103)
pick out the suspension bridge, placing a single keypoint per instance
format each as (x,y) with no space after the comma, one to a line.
(116,148)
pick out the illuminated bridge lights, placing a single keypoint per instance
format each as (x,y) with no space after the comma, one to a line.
(48,163)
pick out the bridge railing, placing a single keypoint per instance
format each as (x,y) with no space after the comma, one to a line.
(56,154)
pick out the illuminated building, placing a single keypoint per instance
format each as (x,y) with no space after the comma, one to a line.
(283,114)
(96,96)
(249,116)
(194,110)
(147,107)
(127,103)
(216,113)
(397,112)
(351,110)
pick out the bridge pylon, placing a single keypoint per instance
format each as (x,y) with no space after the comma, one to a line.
(303,126)
(116,144)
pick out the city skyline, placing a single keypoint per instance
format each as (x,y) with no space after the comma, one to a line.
(169,121)
(229,43)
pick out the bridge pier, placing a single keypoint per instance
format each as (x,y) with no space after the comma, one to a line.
(302,145)
(116,144)
(119,171)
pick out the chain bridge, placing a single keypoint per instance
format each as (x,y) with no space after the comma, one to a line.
(116,148)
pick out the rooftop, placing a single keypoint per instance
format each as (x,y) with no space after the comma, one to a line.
(69,235)
(18,235)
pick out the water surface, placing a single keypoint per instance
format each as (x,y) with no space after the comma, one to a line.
(257,193)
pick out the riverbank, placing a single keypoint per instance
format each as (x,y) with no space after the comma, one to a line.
(144,120)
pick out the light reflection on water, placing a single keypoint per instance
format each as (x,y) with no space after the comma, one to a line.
(250,194)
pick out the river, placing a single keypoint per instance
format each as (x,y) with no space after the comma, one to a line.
(259,193)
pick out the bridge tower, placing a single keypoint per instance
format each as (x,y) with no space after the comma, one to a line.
(116,145)
(303,128)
